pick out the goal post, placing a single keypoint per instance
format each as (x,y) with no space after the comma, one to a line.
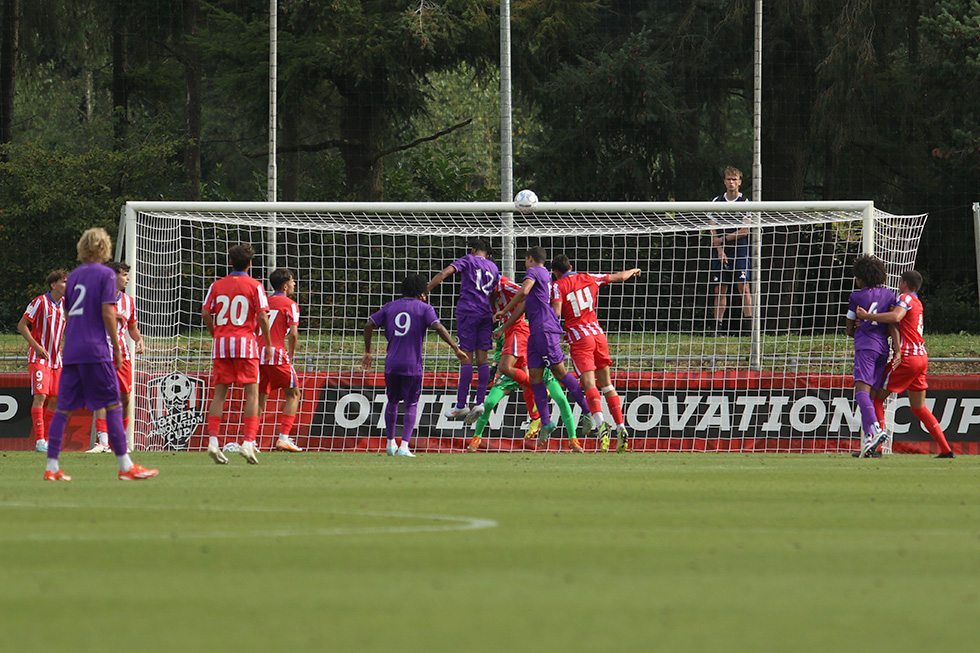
(776,377)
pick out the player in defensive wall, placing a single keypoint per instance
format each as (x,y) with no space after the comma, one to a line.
(126,323)
(574,297)
(911,362)
(42,326)
(405,322)
(278,372)
(474,324)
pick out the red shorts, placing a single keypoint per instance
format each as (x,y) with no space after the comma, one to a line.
(272,377)
(909,375)
(125,376)
(44,380)
(515,343)
(590,353)
(227,371)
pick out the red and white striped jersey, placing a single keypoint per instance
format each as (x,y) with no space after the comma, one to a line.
(911,326)
(578,293)
(283,313)
(234,303)
(125,315)
(47,320)
(506,291)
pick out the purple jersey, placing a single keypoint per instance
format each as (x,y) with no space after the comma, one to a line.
(478,277)
(405,322)
(537,305)
(89,286)
(871,335)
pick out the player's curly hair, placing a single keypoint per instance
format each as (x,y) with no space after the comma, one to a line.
(94,246)
(414,285)
(870,270)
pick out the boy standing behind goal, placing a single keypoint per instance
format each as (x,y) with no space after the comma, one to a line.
(278,371)
(234,310)
(405,322)
(911,361)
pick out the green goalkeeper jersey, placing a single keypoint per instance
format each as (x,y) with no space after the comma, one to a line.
(504,382)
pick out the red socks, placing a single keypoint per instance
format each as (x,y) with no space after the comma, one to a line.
(37,419)
(286,425)
(932,425)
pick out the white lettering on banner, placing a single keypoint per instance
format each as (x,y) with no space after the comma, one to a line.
(969,415)
(357,401)
(749,403)
(775,421)
(946,417)
(796,414)
(845,409)
(633,413)
(717,405)
(8,407)
(691,401)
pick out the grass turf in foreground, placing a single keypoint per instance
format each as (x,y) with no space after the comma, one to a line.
(359,551)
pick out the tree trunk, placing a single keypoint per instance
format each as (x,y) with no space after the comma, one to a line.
(9,37)
(362,127)
(120,91)
(192,100)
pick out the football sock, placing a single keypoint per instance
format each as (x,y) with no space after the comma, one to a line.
(615,405)
(556,393)
(879,405)
(931,424)
(482,380)
(532,409)
(493,398)
(100,426)
(463,389)
(595,400)
(522,379)
(541,402)
(411,410)
(868,417)
(575,391)
(286,425)
(117,434)
(37,419)
(250,427)
(56,436)
(214,426)
(391,418)
(212,440)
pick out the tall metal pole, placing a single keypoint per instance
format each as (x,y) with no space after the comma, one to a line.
(755,351)
(273,173)
(976,240)
(508,255)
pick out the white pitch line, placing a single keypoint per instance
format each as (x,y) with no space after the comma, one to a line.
(455,524)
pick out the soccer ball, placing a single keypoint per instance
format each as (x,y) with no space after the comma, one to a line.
(525,200)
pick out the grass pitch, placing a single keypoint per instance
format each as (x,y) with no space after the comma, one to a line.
(530,552)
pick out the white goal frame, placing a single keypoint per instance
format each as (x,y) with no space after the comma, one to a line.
(548,219)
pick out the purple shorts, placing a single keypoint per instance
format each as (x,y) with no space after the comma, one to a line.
(544,349)
(869,367)
(88,385)
(474,332)
(401,387)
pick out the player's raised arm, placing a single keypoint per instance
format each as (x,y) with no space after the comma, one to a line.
(444,334)
(616,277)
(436,280)
(517,299)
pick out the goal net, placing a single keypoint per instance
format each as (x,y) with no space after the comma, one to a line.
(773,375)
